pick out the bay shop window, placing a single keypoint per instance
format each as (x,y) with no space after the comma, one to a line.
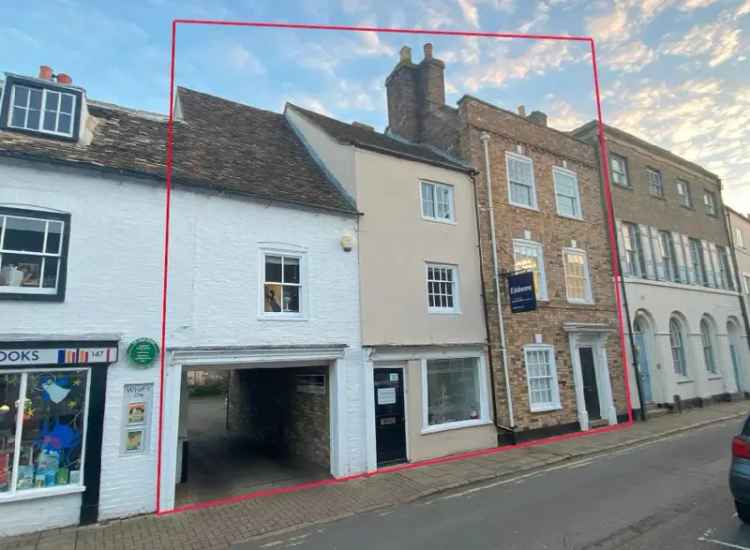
(456,393)
(43,425)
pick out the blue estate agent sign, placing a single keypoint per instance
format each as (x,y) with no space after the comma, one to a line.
(521,292)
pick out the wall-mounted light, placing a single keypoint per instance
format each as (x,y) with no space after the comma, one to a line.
(347,243)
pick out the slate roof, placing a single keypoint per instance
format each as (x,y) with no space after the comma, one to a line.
(219,144)
(366,138)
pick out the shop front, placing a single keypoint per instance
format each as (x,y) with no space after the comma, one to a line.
(52,400)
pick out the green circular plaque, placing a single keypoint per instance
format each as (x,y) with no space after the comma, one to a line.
(143,352)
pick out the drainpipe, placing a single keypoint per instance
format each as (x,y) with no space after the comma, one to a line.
(485,138)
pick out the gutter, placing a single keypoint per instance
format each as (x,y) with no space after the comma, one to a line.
(485,138)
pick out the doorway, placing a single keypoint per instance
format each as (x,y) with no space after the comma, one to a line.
(641,348)
(590,387)
(247,429)
(390,415)
(733,331)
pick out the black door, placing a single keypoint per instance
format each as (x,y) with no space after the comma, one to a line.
(390,422)
(590,391)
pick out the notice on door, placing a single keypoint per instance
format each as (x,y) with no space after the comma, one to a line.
(386,396)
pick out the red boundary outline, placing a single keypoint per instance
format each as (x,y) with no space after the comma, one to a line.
(441,460)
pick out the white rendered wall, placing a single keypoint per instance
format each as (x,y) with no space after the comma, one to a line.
(114,286)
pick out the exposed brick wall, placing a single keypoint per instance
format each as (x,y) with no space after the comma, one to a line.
(308,433)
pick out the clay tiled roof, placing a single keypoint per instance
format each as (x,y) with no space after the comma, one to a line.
(218,144)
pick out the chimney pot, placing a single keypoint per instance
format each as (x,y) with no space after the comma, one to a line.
(45,72)
(522,110)
(63,78)
(428,51)
(405,54)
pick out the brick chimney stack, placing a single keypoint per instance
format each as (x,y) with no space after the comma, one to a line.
(413,90)
(538,117)
(63,78)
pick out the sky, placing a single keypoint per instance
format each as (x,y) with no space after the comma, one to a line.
(673,72)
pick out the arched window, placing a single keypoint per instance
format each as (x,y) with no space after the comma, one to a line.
(677,342)
(708,347)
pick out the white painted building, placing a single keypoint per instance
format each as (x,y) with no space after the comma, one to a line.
(82,217)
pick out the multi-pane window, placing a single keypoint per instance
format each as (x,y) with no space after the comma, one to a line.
(282,285)
(725,277)
(42,110)
(541,373)
(655,185)
(521,180)
(42,429)
(635,262)
(739,239)
(32,253)
(619,170)
(746,278)
(566,193)
(683,192)
(669,258)
(698,262)
(709,203)
(577,281)
(677,343)
(437,201)
(708,348)
(528,256)
(442,288)
(454,391)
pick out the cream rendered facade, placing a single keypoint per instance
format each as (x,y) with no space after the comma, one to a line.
(396,244)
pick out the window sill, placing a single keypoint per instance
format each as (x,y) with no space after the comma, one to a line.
(282,318)
(546,408)
(659,197)
(715,377)
(438,220)
(687,207)
(685,381)
(524,206)
(581,302)
(574,218)
(455,426)
(30,494)
(444,311)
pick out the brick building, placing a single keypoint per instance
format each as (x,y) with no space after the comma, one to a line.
(683,304)
(562,368)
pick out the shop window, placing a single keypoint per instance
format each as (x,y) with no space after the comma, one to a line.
(455,396)
(437,201)
(541,374)
(442,288)
(33,254)
(42,429)
(282,285)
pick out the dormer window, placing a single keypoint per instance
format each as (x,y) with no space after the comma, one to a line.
(33,106)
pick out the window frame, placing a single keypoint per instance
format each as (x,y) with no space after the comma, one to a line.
(654,176)
(301,255)
(456,309)
(739,238)
(13,494)
(555,404)
(588,299)
(712,196)
(521,158)
(566,172)
(435,186)
(681,369)
(6,108)
(724,271)
(634,237)
(28,294)
(625,173)
(541,293)
(686,198)
(699,267)
(484,403)
(709,346)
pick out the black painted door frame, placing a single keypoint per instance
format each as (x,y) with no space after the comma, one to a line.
(591,382)
(390,417)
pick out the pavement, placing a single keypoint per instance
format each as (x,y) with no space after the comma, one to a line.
(261,521)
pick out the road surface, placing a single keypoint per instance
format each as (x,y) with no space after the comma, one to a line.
(670,494)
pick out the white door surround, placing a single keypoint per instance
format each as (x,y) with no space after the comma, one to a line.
(584,335)
(243,358)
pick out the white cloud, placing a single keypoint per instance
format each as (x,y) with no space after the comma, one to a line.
(241,58)
(562,115)
(688,5)
(470,12)
(742,9)
(628,57)
(718,40)
(371,44)
(309,102)
(609,26)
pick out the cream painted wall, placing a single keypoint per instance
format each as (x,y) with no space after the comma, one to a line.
(395,243)
(423,446)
